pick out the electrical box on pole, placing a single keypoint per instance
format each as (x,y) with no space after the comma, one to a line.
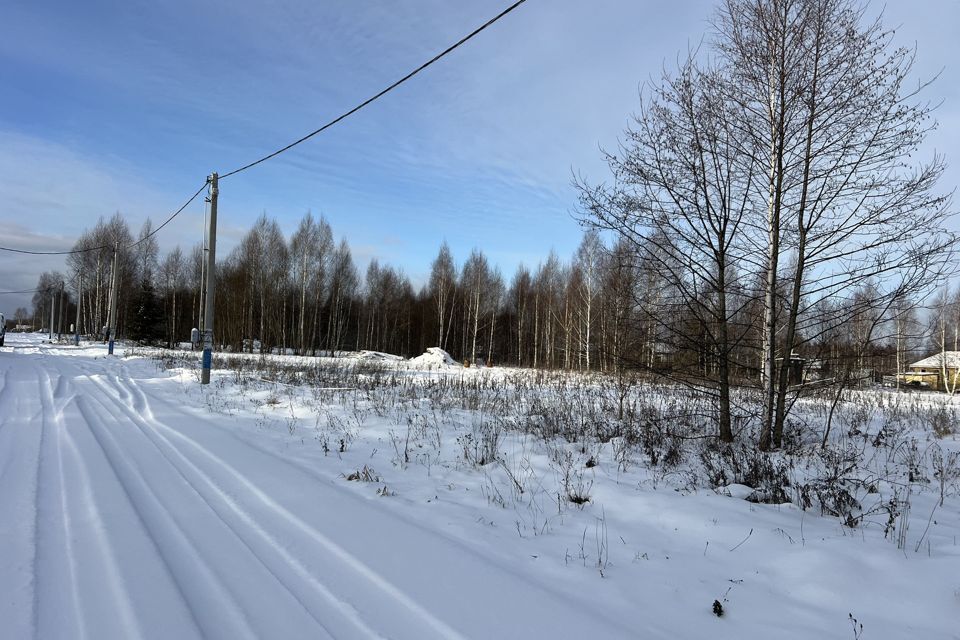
(211,282)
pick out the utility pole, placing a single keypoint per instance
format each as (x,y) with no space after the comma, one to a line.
(76,327)
(60,315)
(211,282)
(53,300)
(203,268)
(112,324)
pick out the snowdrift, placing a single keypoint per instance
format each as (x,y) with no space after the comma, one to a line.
(434,358)
(375,356)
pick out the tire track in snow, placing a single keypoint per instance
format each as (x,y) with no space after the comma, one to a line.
(240,532)
(249,531)
(55,401)
(68,538)
(4,393)
(248,520)
(113,575)
(20,447)
(141,406)
(197,583)
(39,491)
(109,530)
(3,388)
(52,483)
(6,416)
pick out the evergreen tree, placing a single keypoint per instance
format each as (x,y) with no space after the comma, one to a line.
(146,321)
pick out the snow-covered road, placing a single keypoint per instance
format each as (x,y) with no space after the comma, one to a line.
(126,512)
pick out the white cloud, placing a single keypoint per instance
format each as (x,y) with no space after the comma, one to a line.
(50,193)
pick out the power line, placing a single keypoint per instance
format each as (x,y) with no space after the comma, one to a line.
(339,118)
(390,88)
(170,219)
(62,281)
(3,293)
(51,253)
(101,247)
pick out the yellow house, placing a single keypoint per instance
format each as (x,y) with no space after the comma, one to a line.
(929,371)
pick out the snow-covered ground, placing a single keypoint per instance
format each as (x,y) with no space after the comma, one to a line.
(135,503)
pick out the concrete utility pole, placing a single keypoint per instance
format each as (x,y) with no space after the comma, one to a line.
(53,300)
(203,269)
(60,315)
(211,282)
(112,324)
(76,327)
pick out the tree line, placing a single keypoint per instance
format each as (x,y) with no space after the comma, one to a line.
(304,293)
(603,309)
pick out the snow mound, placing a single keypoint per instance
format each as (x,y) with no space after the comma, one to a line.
(434,358)
(377,356)
(738,491)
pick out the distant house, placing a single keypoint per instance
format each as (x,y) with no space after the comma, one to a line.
(929,371)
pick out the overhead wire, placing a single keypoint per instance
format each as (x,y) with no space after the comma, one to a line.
(382,93)
(62,282)
(101,247)
(170,219)
(3,293)
(274,154)
(53,253)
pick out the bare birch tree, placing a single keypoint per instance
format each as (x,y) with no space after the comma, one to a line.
(824,109)
(442,285)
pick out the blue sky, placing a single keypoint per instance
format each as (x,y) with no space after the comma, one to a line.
(127,106)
